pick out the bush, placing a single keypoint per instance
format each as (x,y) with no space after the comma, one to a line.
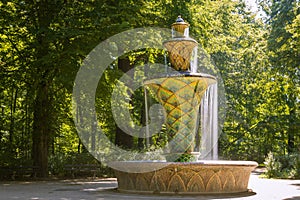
(273,167)
(58,162)
(287,166)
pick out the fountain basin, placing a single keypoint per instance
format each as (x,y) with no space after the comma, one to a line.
(201,177)
(180,94)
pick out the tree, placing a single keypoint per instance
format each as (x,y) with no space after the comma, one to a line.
(284,56)
(48,39)
(45,42)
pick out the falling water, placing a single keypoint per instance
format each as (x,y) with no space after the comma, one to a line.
(194,62)
(209,124)
(146,118)
(186,32)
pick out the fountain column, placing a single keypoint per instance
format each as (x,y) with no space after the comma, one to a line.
(180,93)
(181,97)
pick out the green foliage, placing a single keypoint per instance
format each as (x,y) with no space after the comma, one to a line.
(287,166)
(59,162)
(186,158)
(273,166)
(260,77)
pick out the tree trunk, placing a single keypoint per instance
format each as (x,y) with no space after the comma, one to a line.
(292,131)
(141,141)
(123,139)
(41,129)
(43,106)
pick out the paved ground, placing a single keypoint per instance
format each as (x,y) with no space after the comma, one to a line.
(100,189)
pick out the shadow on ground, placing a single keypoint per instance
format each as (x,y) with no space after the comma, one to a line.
(115,192)
(293,198)
(297,184)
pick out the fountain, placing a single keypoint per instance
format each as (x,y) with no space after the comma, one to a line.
(180,94)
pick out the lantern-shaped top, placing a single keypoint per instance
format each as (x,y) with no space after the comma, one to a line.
(181,46)
(180,28)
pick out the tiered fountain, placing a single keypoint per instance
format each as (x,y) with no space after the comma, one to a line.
(180,95)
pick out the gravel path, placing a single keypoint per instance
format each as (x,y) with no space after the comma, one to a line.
(104,189)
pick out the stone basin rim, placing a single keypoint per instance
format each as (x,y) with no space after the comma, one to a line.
(147,166)
(199,162)
(181,74)
(180,39)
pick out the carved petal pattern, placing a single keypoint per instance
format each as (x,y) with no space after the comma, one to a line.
(187,178)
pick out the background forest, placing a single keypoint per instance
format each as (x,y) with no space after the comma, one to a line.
(43,44)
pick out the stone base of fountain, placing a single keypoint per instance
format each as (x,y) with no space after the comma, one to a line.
(202,177)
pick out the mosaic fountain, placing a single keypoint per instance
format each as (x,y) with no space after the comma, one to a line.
(180,95)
